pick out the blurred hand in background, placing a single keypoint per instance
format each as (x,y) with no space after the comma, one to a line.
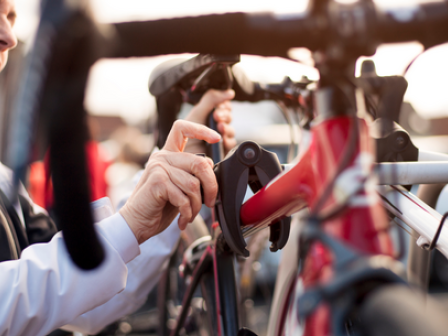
(220,102)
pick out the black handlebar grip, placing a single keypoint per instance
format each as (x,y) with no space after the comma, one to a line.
(68,162)
(230,33)
(72,211)
(72,42)
(214,151)
(269,35)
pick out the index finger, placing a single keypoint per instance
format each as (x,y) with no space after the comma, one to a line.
(183,130)
(201,168)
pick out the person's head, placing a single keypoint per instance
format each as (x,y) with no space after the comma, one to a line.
(7,38)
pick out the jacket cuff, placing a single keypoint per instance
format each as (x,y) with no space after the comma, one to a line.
(120,236)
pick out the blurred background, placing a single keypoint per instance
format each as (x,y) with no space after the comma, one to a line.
(122,112)
(117,91)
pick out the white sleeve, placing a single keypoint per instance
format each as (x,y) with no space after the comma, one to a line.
(44,290)
(144,272)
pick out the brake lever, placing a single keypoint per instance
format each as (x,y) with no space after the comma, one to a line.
(246,164)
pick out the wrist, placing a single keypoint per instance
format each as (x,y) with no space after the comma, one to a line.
(133,223)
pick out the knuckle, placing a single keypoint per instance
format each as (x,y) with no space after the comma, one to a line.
(159,181)
(213,96)
(200,165)
(158,173)
(213,92)
(157,164)
(156,169)
(156,159)
(193,184)
(158,191)
(184,203)
(214,186)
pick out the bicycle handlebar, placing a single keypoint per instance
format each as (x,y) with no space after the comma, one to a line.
(232,33)
(359,27)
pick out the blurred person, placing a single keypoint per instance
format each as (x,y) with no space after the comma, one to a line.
(37,182)
(97,162)
(40,287)
(40,185)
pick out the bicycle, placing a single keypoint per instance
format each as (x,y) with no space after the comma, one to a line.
(338,33)
(400,132)
(238,244)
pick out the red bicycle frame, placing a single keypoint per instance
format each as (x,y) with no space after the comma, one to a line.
(362,224)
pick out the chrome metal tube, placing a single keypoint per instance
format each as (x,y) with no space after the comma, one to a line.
(416,214)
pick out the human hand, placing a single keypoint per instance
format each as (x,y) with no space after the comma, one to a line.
(220,101)
(171,184)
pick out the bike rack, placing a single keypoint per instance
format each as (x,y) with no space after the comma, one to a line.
(246,164)
(437,234)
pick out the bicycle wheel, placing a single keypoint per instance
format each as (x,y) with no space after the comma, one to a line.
(401,311)
(201,319)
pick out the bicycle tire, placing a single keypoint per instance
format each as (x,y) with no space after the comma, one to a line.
(171,291)
(164,294)
(397,310)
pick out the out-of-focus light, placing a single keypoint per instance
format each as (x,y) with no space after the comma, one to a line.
(427,78)
(392,59)
(274,69)
(120,87)
(27,19)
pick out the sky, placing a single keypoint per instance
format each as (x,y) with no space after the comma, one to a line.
(119,87)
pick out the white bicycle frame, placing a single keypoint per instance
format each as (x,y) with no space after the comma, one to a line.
(432,168)
(408,208)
